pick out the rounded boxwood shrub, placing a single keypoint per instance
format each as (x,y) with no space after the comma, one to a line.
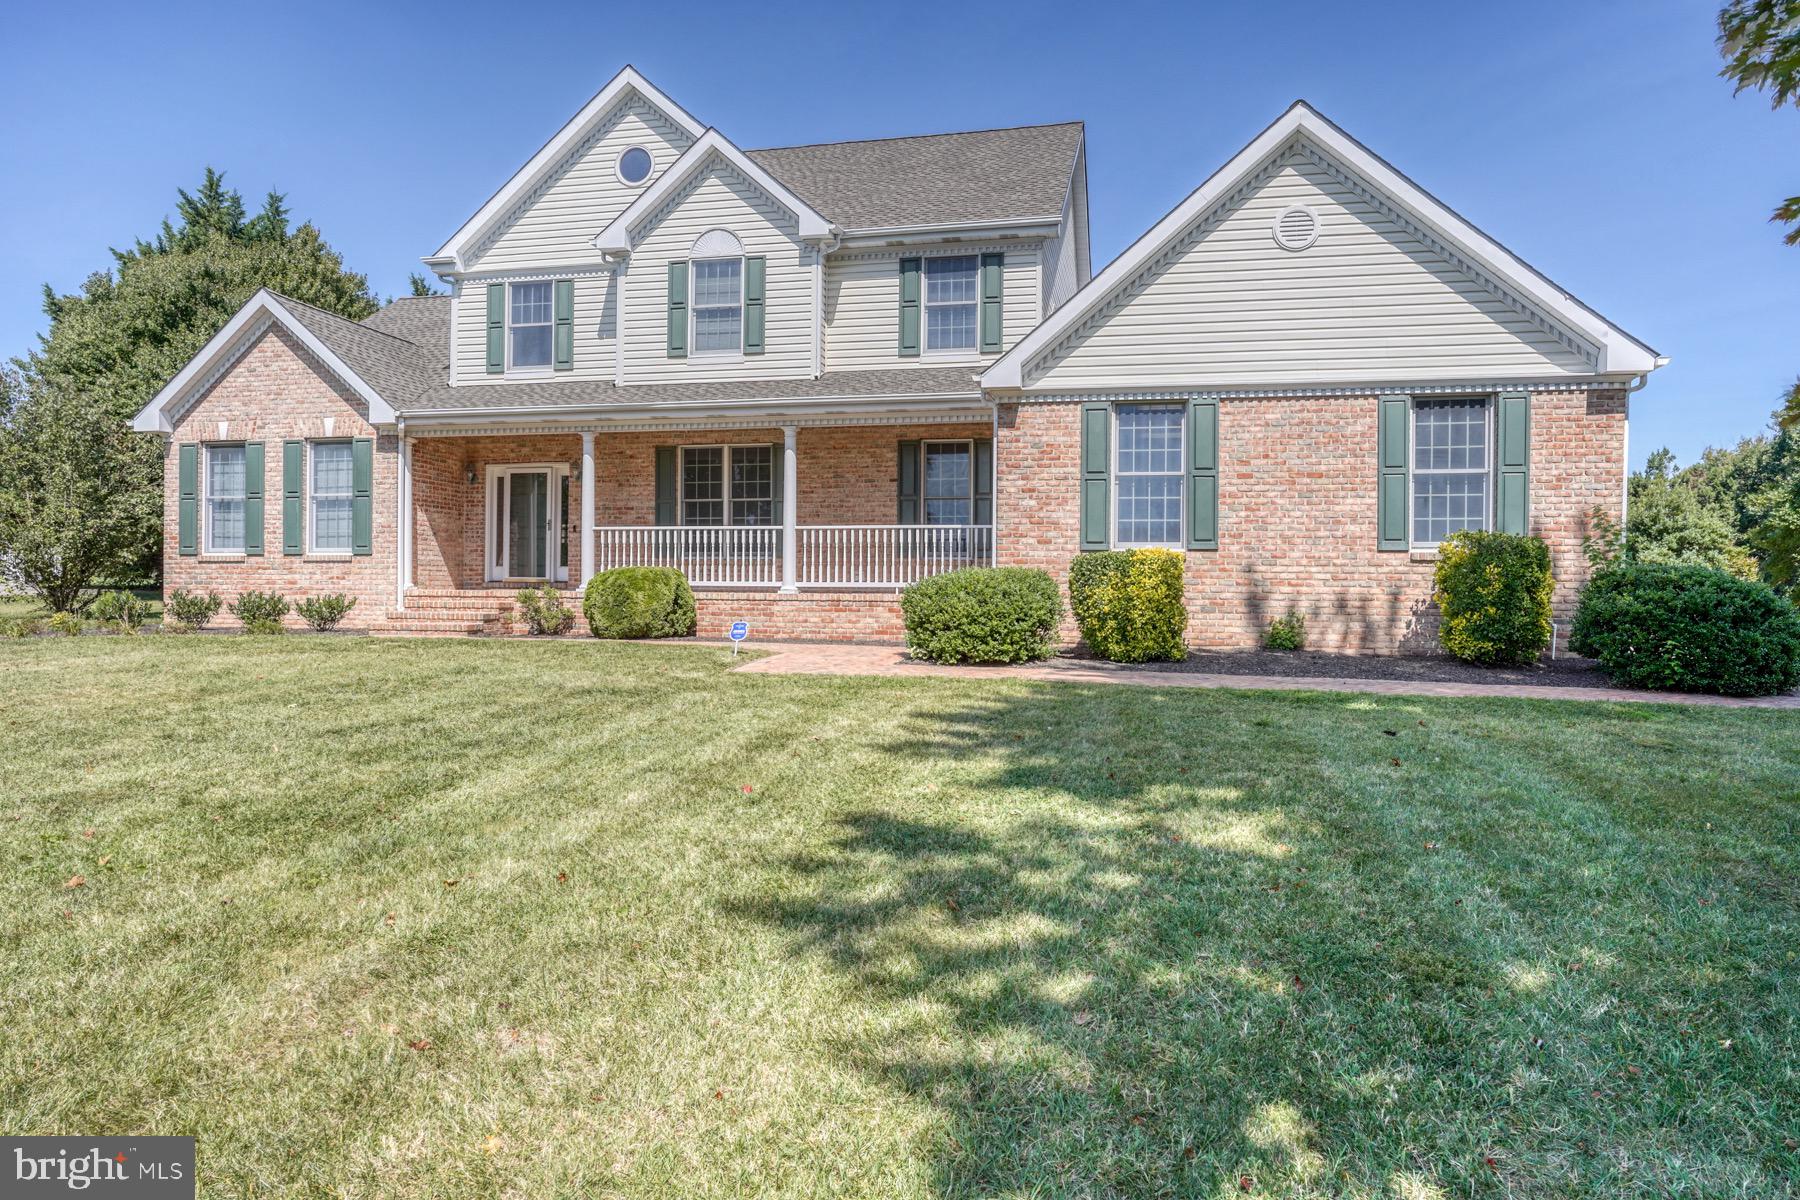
(1689,629)
(982,615)
(1130,604)
(1493,590)
(639,602)
(261,612)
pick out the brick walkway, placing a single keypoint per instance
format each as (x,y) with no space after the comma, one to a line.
(829,659)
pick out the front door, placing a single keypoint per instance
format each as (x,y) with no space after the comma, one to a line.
(526,513)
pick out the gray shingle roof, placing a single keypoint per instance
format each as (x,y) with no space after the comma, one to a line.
(396,368)
(403,353)
(924,382)
(937,179)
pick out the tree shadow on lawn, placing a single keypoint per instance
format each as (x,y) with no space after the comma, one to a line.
(1160,944)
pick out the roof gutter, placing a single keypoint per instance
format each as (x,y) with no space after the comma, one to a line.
(640,412)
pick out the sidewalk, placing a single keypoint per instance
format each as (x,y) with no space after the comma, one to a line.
(839,659)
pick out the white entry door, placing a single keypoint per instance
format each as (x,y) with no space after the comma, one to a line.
(527,522)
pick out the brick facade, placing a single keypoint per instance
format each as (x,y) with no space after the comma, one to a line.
(276,391)
(1297,514)
(1296,506)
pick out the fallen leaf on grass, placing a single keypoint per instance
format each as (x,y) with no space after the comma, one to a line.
(747,789)
(388,920)
(492,1143)
(419,1044)
(88,834)
(75,881)
(1245,1183)
(950,903)
(1395,761)
(1084,1017)
(451,882)
(562,877)
(719,1094)
(105,858)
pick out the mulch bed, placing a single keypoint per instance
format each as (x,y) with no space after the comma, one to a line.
(1305,664)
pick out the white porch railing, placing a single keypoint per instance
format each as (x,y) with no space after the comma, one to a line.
(887,555)
(872,556)
(709,555)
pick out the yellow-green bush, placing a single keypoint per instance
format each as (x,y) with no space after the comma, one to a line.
(1129,604)
(1493,590)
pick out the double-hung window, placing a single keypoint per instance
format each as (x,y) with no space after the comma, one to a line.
(728,485)
(718,305)
(329,497)
(949,479)
(1148,473)
(529,325)
(952,301)
(224,499)
(1452,468)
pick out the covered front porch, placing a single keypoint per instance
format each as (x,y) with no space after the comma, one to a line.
(810,528)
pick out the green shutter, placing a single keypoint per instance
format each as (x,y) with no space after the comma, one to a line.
(1203,475)
(293,515)
(908,488)
(984,481)
(665,486)
(253,497)
(777,462)
(1512,504)
(187,474)
(909,308)
(678,310)
(362,496)
(993,293)
(753,304)
(496,329)
(1391,473)
(564,332)
(1096,476)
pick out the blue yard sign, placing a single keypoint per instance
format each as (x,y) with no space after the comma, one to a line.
(739,631)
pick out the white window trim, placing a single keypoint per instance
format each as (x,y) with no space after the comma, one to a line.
(1413,471)
(207,548)
(694,351)
(925,496)
(619,166)
(728,448)
(1112,477)
(971,352)
(530,369)
(490,550)
(309,495)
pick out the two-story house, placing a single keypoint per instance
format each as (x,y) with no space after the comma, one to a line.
(811,375)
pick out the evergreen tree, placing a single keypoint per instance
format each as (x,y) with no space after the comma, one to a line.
(112,345)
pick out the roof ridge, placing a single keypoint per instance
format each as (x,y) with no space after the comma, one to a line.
(918,137)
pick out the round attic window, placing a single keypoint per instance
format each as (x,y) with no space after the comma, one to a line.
(1296,227)
(634,165)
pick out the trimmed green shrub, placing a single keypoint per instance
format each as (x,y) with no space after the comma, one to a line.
(1493,590)
(542,610)
(1287,633)
(188,611)
(982,615)
(1688,629)
(66,624)
(324,612)
(120,610)
(639,602)
(261,612)
(1129,604)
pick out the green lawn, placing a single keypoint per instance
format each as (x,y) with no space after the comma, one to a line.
(490,918)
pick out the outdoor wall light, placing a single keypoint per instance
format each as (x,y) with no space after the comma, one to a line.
(469,471)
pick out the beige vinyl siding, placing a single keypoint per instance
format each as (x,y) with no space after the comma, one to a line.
(557,228)
(1060,260)
(596,319)
(719,197)
(862,303)
(1368,301)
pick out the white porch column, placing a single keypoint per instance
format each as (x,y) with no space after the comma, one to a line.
(790,504)
(403,522)
(587,508)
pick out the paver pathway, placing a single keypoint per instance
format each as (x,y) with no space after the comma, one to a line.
(817,658)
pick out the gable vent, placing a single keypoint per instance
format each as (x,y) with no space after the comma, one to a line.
(1296,227)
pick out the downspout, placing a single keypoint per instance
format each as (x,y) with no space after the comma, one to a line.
(994,487)
(400,486)
(1636,385)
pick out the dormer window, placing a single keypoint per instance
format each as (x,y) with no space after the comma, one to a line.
(952,295)
(718,307)
(528,325)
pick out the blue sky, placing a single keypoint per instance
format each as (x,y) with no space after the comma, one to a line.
(1594,139)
